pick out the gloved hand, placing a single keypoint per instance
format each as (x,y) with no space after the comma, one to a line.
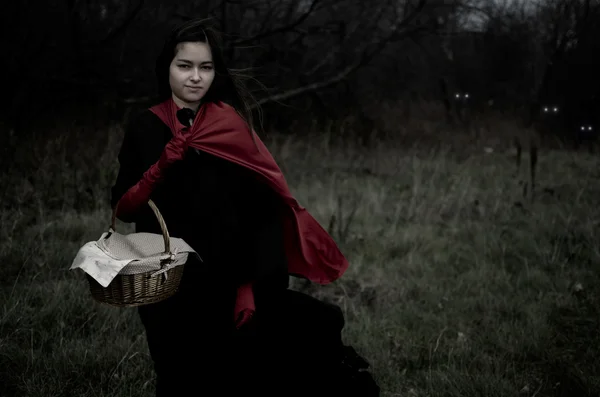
(139,194)
(245,307)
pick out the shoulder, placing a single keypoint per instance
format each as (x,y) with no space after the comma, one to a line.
(144,122)
(221,108)
(225,112)
(144,117)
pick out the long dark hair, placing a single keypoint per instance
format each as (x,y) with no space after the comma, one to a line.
(227,86)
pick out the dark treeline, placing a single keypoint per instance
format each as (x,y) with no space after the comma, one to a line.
(316,60)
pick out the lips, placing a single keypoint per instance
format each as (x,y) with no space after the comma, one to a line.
(194,88)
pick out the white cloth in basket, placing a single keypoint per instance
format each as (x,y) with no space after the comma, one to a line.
(134,253)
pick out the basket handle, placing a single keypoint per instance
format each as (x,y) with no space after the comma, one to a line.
(160,219)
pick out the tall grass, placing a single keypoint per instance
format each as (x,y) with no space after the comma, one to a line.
(453,289)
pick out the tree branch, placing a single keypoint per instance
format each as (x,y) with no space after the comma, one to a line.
(123,27)
(398,32)
(281,29)
(310,87)
(353,67)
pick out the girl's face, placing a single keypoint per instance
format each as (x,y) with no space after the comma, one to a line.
(191,73)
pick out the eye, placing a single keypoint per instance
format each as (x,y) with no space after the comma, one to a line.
(590,128)
(545,109)
(466,95)
(555,110)
(207,67)
(184,66)
(457,96)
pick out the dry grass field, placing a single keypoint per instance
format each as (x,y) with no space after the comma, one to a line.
(454,288)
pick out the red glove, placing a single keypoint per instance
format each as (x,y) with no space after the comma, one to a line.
(139,194)
(244,305)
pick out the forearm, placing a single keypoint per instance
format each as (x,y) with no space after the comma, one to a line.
(139,194)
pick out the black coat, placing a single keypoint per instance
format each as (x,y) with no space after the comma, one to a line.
(216,206)
(232,220)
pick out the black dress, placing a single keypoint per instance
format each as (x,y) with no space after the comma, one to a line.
(231,220)
(292,347)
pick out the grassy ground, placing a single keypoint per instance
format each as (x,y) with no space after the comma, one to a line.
(453,288)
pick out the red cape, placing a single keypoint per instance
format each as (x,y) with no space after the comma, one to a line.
(219,130)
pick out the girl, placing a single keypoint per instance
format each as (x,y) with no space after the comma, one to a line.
(195,154)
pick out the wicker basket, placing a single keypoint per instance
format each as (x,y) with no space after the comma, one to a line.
(128,290)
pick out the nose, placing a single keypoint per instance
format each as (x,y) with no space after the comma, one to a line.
(196,75)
